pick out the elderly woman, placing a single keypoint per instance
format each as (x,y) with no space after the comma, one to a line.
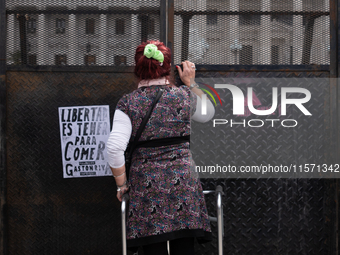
(166,198)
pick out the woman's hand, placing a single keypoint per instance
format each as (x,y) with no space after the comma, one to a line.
(122,191)
(121,181)
(188,74)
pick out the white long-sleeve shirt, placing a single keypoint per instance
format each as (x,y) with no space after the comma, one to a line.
(122,129)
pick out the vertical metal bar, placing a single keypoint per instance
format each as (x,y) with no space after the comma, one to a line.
(3,219)
(185,37)
(123,211)
(171,29)
(334,9)
(164,22)
(335,127)
(23,39)
(307,40)
(145,26)
(219,192)
(333,54)
(220,224)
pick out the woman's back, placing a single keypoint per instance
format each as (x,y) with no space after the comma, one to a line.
(164,193)
(170,117)
(166,198)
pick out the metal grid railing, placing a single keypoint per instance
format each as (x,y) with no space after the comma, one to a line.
(240,32)
(80,33)
(235,32)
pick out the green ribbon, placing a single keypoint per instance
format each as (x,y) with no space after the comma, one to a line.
(151,51)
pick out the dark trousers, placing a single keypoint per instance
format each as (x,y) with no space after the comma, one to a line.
(181,246)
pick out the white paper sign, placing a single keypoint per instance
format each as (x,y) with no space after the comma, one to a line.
(84,131)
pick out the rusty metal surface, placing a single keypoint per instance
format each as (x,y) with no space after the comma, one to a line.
(48,214)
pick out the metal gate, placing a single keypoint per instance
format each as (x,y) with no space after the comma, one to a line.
(69,53)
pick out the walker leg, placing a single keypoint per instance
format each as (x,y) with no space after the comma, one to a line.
(123,211)
(219,192)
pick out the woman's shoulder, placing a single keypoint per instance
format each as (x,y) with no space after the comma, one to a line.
(144,92)
(127,96)
(183,89)
(132,97)
(125,100)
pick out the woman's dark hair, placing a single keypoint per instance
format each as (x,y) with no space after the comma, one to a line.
(149,68)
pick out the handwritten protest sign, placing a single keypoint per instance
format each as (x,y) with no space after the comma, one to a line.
(84,131)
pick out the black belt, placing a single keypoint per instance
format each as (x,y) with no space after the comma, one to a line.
(164,141)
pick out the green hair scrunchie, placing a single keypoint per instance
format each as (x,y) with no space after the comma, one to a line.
(151,51)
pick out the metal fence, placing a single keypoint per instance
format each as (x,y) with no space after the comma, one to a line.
(68,53)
